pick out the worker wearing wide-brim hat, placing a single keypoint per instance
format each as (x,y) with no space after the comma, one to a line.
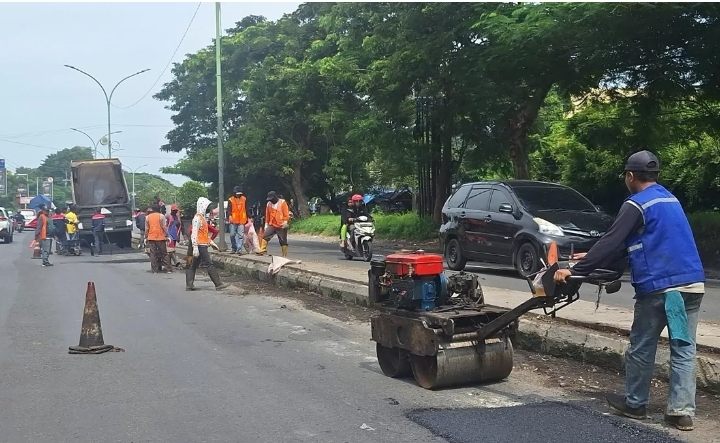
(653,232)
(277,222)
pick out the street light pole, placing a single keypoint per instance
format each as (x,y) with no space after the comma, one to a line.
(222,244)
(108,99)
(94,143)
(134,203)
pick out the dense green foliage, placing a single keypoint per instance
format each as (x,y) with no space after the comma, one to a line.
(187,196)
(323,100)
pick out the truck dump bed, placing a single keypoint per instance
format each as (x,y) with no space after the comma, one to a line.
(99,183)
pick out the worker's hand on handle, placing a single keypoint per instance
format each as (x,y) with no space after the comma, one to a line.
(578,256)
(196,251)
(285,225)
(561,275)
(266,227)
(214,246)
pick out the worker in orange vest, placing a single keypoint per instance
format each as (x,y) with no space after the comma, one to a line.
(156,235)
(277,221)
(200,243)
(237,218)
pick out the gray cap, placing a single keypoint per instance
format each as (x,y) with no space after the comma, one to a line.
(642,161)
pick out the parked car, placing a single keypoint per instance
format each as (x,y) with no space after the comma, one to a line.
(29,215)
(7,227)
(513,222)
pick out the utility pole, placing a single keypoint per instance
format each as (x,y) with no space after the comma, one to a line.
(222,244)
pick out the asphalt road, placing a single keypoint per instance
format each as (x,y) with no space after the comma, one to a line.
(329,252)
(234,367)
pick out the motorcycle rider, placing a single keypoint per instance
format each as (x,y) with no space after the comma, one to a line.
(20,221)
(355,210)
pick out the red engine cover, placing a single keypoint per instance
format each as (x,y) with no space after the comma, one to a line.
(414,264)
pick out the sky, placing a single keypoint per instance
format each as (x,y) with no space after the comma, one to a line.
(40,99)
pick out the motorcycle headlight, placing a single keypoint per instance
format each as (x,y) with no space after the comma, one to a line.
(547,228)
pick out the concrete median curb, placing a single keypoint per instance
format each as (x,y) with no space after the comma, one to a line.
(577,341)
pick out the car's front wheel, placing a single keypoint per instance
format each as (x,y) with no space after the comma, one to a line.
(454,255)
(527,261)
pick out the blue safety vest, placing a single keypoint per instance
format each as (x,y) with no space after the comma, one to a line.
(663,253)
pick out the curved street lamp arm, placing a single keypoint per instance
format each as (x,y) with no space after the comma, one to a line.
(86,135)
(118,83)
(94,79)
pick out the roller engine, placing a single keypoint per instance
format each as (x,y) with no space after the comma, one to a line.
(438,328)
(417,282)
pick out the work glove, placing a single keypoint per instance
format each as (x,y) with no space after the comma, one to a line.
(214,246)
(196,252)
(266,226)
(285,225)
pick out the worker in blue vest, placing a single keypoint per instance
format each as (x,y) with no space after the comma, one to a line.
(652,231)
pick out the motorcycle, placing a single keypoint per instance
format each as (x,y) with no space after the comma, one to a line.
(19,226)
(363,236)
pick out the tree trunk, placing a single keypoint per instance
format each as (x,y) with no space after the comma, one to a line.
(518,128)
(443,182)
(298,189)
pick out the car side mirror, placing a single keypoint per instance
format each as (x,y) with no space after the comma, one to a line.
(507,208)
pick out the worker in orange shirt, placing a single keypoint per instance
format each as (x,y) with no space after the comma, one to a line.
(237,218)
(42,235)
(156,235)
(201,254)
(277,220)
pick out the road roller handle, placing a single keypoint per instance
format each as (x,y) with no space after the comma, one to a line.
(556,297)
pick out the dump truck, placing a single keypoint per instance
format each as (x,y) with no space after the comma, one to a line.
(101,184)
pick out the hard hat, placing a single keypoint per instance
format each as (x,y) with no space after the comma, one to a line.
(357,197)
(174,208)
(237,190)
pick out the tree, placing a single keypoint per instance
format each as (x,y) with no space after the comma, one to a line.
(147,186)
(188,195)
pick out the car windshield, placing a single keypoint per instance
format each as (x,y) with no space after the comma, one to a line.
(552,198)
(28,214)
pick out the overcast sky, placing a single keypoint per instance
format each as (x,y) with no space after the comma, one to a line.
(40,99)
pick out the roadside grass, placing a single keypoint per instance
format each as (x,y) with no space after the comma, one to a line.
(408,226)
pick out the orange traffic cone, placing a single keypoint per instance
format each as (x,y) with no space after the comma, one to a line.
(91,337)
(36,250)
(552,255)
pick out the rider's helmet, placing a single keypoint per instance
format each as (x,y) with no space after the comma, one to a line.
(357,198)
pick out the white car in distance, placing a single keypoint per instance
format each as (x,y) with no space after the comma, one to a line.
(7,227)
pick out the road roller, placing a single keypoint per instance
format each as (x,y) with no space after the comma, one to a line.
(437,327)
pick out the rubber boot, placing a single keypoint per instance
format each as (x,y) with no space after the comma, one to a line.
(215,277)
(284,250)
(190,280)
(263,247)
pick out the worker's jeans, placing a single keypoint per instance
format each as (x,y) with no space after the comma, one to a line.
(649,322)
(45,245)
(98,239)
(237,232)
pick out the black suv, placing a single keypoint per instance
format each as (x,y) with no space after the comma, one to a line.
(511,222)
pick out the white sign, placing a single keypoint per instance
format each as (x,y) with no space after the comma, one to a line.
(49,179)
